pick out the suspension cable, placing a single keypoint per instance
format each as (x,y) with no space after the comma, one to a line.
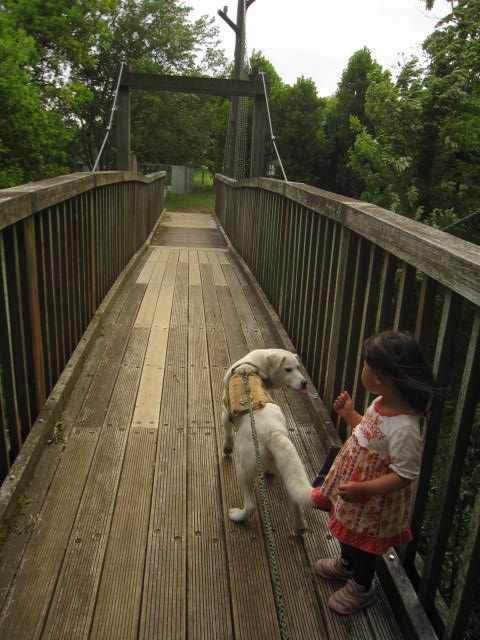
(114,106)
(461,221)
(262,73)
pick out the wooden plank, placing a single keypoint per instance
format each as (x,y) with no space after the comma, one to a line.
(253,607)
(309,353)
(404,316)
(123,128)
(306,305)
(194,270)
(218,277)
(258,136)
(354,324)
(146,273)
(425,311)
(163,614)
(208,593)
(367,323)
(34,307)
(118,604)
(16,349)
(72,606)
(14,547)
(211,86)
(149,302)
(384,318)
(339,322)
(147,406)
(37,576)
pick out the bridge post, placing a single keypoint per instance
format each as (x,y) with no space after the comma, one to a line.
(123,127)
(258,137)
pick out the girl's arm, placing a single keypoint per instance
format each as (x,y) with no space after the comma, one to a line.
(361,491)
(343,405)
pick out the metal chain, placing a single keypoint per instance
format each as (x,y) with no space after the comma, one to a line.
(267,521)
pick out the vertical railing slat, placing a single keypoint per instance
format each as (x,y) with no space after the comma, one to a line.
(8,391)
(461,429)
(467,578)
(340,318)
(405,299)
(34,307)
(442,368)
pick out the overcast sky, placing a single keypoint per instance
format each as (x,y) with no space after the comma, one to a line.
(315,38)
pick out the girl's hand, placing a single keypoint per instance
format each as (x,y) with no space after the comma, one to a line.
(343,405)
(353,492)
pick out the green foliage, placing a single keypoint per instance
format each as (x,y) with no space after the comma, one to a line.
(415,148)
(450,161)
(61,65)
(300,137)
(386,159)
(33,139)
(155,36)
(349,102)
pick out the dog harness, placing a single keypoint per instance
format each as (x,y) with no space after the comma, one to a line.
(236,398)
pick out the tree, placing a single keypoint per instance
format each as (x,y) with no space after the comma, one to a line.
(154,36)
(349,102)
(299,133)
(450,159)
(33,139)
(386,158)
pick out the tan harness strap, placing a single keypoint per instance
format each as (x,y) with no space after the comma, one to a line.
(237,397)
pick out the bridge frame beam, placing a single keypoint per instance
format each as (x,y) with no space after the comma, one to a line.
(184,84)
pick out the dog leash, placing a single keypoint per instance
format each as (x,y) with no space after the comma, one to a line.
(267,521)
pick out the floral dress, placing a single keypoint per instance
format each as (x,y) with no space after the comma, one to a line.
(379,444)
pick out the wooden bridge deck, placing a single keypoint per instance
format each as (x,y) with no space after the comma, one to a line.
(124,533)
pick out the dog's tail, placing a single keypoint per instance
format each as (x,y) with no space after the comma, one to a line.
(290,468)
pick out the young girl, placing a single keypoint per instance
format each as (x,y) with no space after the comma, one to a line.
(368,488)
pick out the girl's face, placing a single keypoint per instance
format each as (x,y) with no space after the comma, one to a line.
(370,380)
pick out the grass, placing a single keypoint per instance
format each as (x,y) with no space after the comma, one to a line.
(202,178)
(200,200)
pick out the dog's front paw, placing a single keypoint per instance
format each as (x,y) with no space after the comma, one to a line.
(236,515)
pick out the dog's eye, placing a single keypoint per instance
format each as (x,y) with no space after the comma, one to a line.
(289,369)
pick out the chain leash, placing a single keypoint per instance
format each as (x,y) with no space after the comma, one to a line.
(267,521)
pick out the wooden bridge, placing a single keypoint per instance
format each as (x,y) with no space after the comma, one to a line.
(119,320)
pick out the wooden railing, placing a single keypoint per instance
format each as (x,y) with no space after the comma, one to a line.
(63,242)
(338,270)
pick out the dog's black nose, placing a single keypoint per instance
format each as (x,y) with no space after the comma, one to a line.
(304,384)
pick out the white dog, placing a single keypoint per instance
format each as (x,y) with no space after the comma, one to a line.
(276,368)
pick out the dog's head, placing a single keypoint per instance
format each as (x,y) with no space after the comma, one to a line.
(276,367)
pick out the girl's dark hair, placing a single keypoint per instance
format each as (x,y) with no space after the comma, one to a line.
(398,355)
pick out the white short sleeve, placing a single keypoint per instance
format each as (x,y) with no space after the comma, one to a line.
(405,447)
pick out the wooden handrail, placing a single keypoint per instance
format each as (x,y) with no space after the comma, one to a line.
(19,202)
(451,261)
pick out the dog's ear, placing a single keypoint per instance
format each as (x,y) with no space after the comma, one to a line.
(275,363)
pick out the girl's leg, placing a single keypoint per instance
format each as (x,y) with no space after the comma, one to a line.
(362,563)
(346,555)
